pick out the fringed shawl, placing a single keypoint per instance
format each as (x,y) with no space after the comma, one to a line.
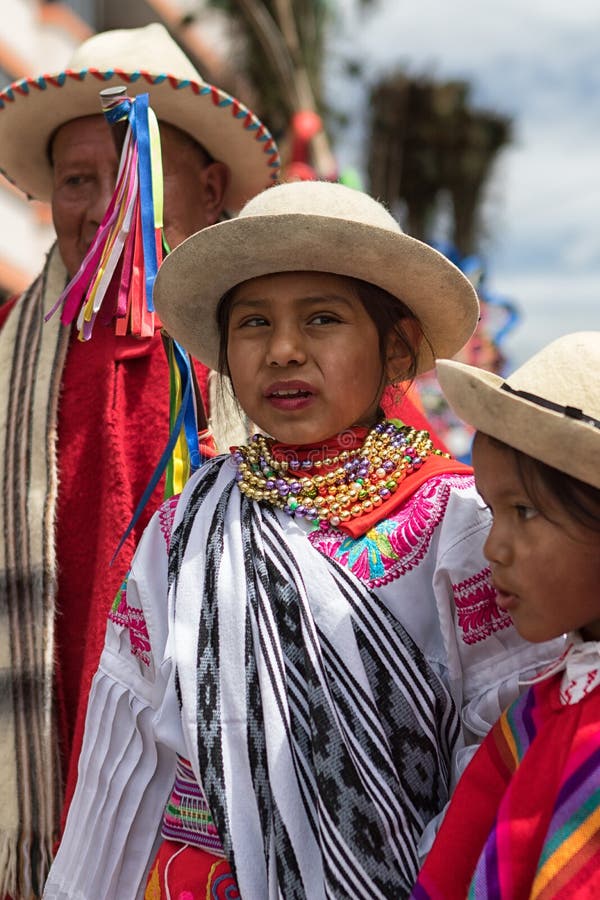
(324,754)
(32,356)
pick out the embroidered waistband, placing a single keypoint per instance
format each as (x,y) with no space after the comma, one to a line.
(187,817)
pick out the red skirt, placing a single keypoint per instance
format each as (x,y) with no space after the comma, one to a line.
(183,872)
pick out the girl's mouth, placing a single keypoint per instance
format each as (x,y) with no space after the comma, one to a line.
(289,395)
(290,400)
(505,600)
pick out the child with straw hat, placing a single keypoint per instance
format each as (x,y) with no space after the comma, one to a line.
(525,818)
(307,641)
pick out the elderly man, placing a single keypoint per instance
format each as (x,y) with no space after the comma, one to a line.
(84,424)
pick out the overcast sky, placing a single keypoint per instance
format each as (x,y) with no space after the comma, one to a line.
(538,63)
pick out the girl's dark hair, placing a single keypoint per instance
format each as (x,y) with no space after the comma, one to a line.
(579,500)
(386,311)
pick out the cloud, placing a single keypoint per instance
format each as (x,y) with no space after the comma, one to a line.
(538,64)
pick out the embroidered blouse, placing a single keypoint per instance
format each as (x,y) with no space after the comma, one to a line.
(423,563)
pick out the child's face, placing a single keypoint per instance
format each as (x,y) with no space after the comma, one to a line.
(545,568)
(303,355)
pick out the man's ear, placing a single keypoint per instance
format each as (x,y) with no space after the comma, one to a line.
(215,180)
(398,357)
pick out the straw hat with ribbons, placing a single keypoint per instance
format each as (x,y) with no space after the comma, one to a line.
(146,60)
(320,227)
(549,408)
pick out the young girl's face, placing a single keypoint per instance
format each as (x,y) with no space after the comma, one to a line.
(303,355)
(545,567)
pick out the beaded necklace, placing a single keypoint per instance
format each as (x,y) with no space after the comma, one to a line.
(333,490)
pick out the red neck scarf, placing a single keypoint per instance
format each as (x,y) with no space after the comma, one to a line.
(353,438)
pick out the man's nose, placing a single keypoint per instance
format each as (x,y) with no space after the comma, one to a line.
(101,197)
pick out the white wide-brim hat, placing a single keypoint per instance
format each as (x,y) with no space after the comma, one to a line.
(145,60)
(320,227)
(549,408)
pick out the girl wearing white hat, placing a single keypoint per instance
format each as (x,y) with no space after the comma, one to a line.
(525,818)
(307,644)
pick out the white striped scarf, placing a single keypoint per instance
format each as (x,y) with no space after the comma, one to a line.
(324,738)
(32,355)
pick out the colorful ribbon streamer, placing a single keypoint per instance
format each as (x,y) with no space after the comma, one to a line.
(116,277)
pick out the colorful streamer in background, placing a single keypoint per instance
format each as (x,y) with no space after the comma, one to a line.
(499,316)
(115,281)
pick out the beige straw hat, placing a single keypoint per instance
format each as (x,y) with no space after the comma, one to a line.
(549,408)
(145,60)
(321,227)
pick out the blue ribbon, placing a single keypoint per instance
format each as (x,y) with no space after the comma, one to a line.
(190,421)
(138,117)
(186,417)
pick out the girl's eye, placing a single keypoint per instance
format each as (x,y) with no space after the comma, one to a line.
(252,322)
(525,512)
(323,319)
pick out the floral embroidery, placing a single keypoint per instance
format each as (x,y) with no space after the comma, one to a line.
(397,544)
(479,615)
(166,515)
(132,617)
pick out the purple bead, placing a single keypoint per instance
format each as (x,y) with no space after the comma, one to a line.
(294,464)
(384,493)
(388,465)
(283,490)
(269,484)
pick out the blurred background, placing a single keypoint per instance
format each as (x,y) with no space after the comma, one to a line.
(477,124)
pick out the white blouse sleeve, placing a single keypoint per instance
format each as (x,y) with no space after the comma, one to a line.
(127,763)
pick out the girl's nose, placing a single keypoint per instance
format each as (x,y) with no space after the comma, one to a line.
(286,348)
(497,545)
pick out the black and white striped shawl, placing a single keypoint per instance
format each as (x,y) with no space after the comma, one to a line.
(324,738)
(32,356)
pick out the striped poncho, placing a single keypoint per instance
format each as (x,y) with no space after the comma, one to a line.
(525,817)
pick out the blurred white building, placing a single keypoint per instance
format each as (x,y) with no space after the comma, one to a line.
(38,38)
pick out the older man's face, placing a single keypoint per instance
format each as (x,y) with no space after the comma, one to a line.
(85,168)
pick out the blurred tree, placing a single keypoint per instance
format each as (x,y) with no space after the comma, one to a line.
(284,46)
(426,139)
